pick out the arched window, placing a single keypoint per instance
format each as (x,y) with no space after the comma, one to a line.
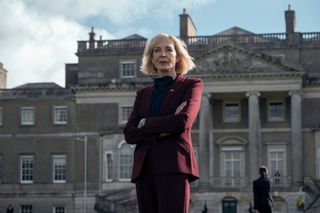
(125,161)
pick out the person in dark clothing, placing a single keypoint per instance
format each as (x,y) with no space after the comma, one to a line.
(261,192)
(10,209)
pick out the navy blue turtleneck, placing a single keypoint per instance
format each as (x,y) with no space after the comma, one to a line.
(160,88)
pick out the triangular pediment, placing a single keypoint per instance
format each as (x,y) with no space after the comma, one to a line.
(235,31)
(229,59)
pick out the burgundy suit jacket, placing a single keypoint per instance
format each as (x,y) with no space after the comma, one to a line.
(173,153)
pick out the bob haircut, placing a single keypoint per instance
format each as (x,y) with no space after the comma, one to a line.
(184,65)
(263,170)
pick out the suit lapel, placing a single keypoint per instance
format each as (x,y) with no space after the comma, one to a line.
(171,93)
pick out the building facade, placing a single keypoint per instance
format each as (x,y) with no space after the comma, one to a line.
(62,149)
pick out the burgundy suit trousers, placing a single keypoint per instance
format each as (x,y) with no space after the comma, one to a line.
(163,193)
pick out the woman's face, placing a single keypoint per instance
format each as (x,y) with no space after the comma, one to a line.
(164,57)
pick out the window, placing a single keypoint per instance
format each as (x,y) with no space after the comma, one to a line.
(60,114)
(231,112)
(109,166)
(125,113)
(27,116)
(276,111)
(1,116)
(128,68)
(233,167)
(26,209)
(1,169)
(277,163)
(26,168)
(59,168)
(125,161)
(59,209)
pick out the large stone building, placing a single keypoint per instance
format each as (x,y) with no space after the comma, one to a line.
(62,149)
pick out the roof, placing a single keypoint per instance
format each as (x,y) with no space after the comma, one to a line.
(39,85)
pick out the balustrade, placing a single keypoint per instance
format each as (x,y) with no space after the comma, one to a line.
(254,40)
(35,92)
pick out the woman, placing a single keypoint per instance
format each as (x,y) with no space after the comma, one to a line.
(160,126)
(261,192)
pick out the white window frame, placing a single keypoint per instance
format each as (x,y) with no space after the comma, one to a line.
(56,116)
(29,210)
(108,165)
(277,148)
(274,119)
(128,61)
(24,119)
(128,164)
(63,171)
(223,151)
(227,119)
(1,116)
(123,119)
(55,209)
(31,159)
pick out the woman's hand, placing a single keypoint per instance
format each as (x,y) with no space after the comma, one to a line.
(142,122)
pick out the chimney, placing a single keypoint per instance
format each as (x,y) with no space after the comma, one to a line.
(3,77)
(290,20)
(187,28)
(92,34)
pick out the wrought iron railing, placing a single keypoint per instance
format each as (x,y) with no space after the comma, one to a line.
(229,182)
(281,181)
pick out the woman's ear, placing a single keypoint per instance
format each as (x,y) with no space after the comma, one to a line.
(177,58)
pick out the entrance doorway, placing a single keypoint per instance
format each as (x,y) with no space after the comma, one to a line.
(229,205)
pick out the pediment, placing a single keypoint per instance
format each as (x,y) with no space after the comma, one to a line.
(229,59)
(235,31)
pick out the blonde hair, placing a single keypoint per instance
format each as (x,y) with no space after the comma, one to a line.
(184,65)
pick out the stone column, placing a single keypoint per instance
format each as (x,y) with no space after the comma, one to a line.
(317,151)
(204,137)
(254,135)
(296,137)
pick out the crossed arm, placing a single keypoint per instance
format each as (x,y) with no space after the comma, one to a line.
(180,121)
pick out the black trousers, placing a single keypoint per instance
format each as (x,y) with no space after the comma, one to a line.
(265,210)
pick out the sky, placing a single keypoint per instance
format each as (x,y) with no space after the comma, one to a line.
(38,37)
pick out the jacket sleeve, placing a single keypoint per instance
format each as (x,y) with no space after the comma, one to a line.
(270,200)
(182,121)
(132,134)
(255,196)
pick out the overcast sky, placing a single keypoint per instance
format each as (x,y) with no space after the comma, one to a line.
(38,37)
